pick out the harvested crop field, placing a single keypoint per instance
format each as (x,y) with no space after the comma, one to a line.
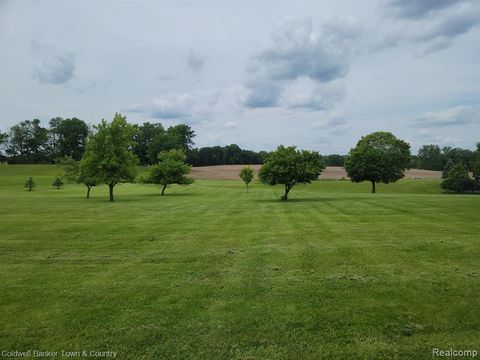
(230,172)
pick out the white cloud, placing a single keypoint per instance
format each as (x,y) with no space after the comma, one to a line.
(170,106)
(296,53)
(459,115)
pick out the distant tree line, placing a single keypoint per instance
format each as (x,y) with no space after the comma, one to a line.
(226,155)
(432,157)
(28,142)
(110,155)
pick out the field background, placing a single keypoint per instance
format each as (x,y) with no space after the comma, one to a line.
(230,172)
(210,272)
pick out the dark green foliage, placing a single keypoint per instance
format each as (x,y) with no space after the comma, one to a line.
(476,174)
(176,137)
(289,166)
(3,139)
(144,138)
(334,160)
(430,157)
(68,137)
(27,142)
(218,155)
(108,159)
(171,169)
(29,184)
(448,166)
(378,157)
(458,179)
(247,174)
(459,156)
(3,142)
(73,173)
(58,183)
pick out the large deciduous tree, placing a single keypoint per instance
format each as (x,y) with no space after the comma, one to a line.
(28,140)
(379,158)
(175,137)
(68,137)
(108,157)
(171,169)
(289,166)
(430,157)
(144,139)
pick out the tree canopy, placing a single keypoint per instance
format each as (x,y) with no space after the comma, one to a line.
(458,179)
(171,169)
(430,157)
(289,166)
(379,158)
(27,141)
(74,173)
(108,157)
(68,137)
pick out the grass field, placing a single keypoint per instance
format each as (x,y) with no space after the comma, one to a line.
(210,272)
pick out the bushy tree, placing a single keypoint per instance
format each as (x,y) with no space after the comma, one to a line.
(448,166)
(175,137)
(58,183)
(29,184)
(144,139)
(27,142)
(73,173)
(458,179)
(289,166)
(430,157)
(247,174)
(171,169)
(459,156)
(108,158)
(378,157)
(68,137)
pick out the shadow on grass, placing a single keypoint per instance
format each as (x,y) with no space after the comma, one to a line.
(302,200)
(168,194)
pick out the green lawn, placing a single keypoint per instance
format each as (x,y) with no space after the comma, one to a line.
(210,272)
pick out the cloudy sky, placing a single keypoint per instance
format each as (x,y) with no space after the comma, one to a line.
(317,74)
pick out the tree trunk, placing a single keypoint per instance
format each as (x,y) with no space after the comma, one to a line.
(247,188)
(110,187)
(88,191)
(163,189)
(373,187)
(285,196)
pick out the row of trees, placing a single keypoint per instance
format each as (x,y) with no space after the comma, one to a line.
(226,155)
(30,142)
(110,158)
(378,158)
(432,157)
